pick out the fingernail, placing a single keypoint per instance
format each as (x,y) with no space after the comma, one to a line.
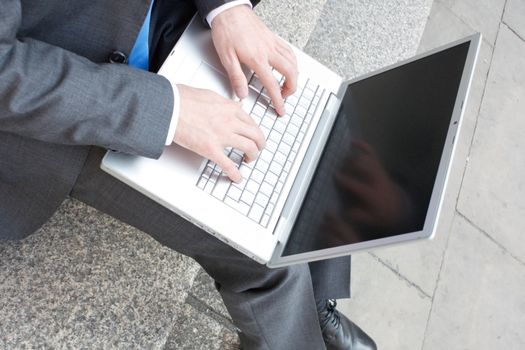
(242,92)
(281,110)
(237,178)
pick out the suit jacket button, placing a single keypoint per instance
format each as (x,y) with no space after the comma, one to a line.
(117,57)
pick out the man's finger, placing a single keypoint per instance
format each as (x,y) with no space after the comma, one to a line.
(289,70)
(286,64)
(245,145)
(227,166)
(286,51)
(250,129)
(236,75)
(264,72)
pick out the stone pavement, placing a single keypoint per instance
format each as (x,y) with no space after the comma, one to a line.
(465,289)
(87,281)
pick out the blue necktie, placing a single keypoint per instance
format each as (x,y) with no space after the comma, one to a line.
(139,56)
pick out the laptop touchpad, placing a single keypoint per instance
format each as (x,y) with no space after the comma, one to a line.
(208,77)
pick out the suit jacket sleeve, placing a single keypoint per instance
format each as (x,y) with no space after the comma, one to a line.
(53,95)
(206,6)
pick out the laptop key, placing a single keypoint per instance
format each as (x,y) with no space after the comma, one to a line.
(247,197)
(308,94)
(267,122)
(258,110)
(257,176)
(292,156)
(255,84)
(202,183)
(262,199)
(301,80)
(284,148)
(234,193)
(292,100)
(275,136)
(241,207)
(263,102)
(276,168)
(256,213)
(280,158)
(221,187)
(288,166)
(266,189)
(279,187)
(265,220)
(300,137)
(271,178)
(295,146)
(271,146)
(266,155)
(280,126)
(209,186)
(296,120)
(288,138)
(252,186)
(245,170)
(293,129)
(236,158)
(300,111)
(262,166)
(274,197)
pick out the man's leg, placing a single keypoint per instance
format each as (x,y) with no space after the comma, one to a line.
(274,308)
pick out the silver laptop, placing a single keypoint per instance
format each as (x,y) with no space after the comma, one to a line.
(353,165)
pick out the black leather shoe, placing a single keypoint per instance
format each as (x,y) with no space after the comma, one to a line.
(338,331)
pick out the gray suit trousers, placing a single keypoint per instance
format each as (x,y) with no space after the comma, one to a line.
(273,308)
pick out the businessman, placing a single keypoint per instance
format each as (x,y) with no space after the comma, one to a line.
(74,82)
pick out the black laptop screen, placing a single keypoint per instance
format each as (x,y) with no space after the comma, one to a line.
(377,171)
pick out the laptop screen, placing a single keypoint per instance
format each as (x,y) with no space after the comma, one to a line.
(378,168)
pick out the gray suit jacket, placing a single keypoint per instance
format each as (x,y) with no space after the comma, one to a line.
(59,95)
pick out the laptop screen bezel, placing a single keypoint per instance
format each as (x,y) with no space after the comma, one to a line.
(436,199)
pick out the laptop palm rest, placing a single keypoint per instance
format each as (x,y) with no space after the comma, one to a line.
(208,77)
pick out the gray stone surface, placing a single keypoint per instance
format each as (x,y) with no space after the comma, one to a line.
(421,262)
(196,329)
(87,281)
(443,26)
(218,330)
(203,290)
(386,305)
(294,21)
(492,196)
(479,303)
(514,16)
(356,36)
(481,15)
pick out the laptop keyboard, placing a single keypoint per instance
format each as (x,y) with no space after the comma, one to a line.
(265,177)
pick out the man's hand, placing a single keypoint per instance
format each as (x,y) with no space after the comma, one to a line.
(208,123)
(239,37)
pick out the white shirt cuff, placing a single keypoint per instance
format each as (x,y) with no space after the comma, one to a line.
(174,115)
(211,16)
